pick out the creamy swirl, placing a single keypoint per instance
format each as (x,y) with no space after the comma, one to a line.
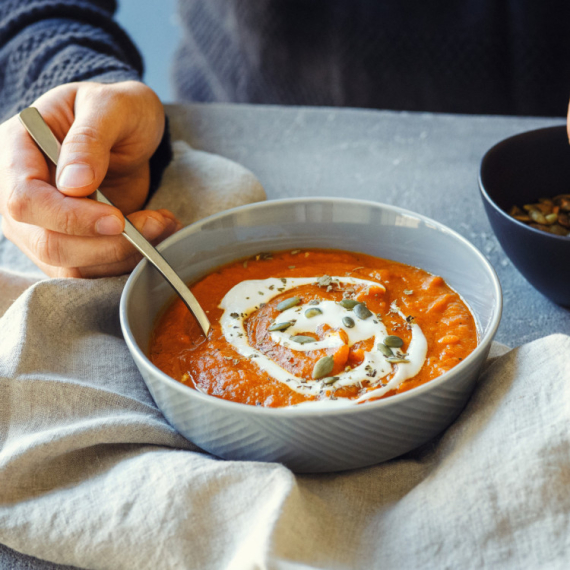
(246,297)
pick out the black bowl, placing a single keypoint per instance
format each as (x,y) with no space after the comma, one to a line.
(517,171)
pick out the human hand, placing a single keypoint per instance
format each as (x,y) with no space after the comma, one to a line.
(109,133)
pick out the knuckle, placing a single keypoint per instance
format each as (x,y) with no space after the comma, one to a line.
(46,247)
(104,96)
(83,135)
(128,263)
(68,221)
(119,250)
(18,203)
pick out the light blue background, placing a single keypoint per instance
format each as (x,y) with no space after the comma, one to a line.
(153,26)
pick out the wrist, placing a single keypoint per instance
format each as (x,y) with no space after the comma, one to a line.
(161,158)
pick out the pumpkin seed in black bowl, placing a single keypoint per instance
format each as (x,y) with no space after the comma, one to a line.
(522,170)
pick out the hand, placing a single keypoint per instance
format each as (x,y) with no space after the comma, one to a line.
(109,133)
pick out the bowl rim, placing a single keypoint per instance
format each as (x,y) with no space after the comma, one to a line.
(487,197)
(288,412)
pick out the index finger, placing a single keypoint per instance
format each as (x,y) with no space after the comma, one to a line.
(27,195)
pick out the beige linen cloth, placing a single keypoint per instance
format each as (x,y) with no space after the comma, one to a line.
(91,474)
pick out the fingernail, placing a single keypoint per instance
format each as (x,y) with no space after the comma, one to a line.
(76,176)
(109,226)
(152,228)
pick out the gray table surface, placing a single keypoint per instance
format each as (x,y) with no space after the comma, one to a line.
(423,162)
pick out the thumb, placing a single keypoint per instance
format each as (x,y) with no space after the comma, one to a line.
(85,151)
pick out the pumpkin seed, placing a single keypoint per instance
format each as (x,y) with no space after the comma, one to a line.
(397,360)
(323,367)
(565,204)
(386,351)
(330,380)
(537,216)
(288,303)
(547,214)
(540,227)
(393,341)
(280,326)
(302,339)
(551,218)
(522,218)
(544,207)
(348,322)
(324,281)
(558,230)
(362,311)
(348,304)
(313,312)
(563,220)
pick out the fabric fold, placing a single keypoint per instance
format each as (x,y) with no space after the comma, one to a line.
(93,476)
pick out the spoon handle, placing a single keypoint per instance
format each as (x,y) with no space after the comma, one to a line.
(46,140)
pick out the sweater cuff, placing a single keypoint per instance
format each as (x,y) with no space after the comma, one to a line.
(161,158)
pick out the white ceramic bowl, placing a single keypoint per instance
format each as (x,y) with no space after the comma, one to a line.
(310,440)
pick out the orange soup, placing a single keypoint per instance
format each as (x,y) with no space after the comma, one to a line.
(310,328)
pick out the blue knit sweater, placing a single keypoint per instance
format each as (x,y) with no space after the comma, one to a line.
(472,56)
(457,56)
(45,43)
(466,56)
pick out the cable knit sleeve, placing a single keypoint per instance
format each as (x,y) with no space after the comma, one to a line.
(45,43)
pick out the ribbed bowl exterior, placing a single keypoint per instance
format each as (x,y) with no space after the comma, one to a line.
(318,443)
(327,440)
